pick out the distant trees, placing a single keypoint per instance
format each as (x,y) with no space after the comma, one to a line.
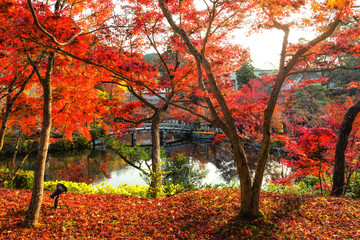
(338,80)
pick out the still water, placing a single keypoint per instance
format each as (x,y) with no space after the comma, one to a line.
(102,165)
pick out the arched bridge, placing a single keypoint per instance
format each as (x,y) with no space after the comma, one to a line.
(164,129)
(168,127)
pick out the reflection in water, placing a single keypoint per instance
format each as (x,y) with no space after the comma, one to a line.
(98,166)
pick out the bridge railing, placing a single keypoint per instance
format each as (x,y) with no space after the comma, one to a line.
(169,126)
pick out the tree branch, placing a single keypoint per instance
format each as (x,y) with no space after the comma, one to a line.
(52,37)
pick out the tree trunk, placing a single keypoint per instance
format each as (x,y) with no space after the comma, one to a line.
(245,179)
(37,192)
(156,174)
(17,144)
(339,167)
(266,139)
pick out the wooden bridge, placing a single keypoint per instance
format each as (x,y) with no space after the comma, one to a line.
(164,129)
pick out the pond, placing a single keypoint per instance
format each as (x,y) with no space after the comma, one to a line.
(102,165)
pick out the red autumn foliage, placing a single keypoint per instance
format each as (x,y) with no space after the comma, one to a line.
(206,214)
(312,150)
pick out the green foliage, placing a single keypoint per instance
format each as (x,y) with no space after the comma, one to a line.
(223,186)
(23,180)
(309,100)
(67,145)
(9,146)
(353,189)
(245,73)
(73,187)
(103,94)
(296,189)
(309,181)
(173,189)
(179,171)
(132,190)
(337,84)
(136,155)
(103,188)
(97,133)
(125,189)
(179,174)
(304,187)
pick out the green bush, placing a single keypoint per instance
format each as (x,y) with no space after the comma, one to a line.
(103,188)
(23,180)
(72,187)
(126,189)
(353,190)
(97,133)
(304,187)
(9,147)
(233,185)
(66,145)
(173,189)
(179,171)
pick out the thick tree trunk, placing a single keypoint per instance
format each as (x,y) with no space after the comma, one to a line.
(156,175)
(37,192)
(339,167)
(245,179)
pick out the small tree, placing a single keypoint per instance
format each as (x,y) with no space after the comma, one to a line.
(182,172)
(311,150)
(244,74)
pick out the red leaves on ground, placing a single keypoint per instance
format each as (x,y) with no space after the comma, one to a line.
(206,214)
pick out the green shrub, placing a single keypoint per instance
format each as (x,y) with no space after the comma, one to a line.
(302,188)
(72,187)
(97,133)
(23,180)
(66,145)
(126,189)
(353,190)
(173,189)
(103,188)
(233,185)
(9,147)
(179,171)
